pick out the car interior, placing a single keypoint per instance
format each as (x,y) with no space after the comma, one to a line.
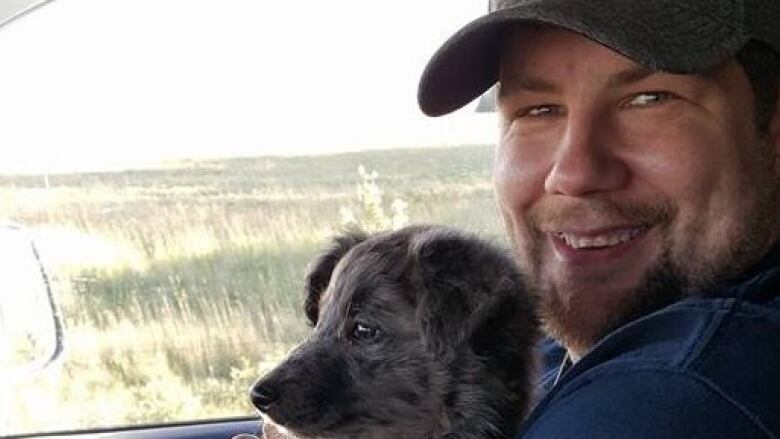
(171,169)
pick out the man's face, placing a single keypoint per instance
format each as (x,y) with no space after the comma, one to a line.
(621,188)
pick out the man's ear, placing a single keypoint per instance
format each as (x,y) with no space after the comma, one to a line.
(774,125)
(319,275)
(774,134)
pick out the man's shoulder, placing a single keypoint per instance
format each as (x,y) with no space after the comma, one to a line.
(691,334)
(680,372)
(643,402)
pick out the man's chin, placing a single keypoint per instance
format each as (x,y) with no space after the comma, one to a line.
(579,325)
(576,327)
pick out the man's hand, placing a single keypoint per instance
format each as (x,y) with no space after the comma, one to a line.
(270,431)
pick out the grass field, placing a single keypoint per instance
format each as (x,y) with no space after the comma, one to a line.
(181,285)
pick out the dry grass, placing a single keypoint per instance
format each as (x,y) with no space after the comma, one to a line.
(180,286)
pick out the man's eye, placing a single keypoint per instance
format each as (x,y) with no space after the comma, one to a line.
(649,98)
(363,332)
(540,111)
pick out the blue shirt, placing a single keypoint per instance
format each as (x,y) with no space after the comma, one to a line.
(705,367)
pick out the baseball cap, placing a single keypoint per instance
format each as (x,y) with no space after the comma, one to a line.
(676,36)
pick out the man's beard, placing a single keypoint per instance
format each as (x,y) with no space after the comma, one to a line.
(678,272)
(662,286)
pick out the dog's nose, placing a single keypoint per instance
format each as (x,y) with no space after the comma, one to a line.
(263,396)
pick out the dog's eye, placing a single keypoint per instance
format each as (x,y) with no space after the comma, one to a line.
(363,332)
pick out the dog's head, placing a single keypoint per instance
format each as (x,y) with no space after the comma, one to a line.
(416,333)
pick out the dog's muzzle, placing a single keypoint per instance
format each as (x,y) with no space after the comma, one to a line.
(263,396)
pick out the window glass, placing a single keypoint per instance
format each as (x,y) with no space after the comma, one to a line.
(179,162)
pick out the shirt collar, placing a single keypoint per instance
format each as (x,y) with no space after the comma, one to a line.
(759,283)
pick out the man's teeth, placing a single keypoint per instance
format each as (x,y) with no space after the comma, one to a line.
(607,240)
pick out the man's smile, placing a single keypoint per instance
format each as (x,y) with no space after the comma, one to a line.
(598,240)
(586,247)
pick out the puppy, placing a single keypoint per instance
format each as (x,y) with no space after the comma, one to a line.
(424,333)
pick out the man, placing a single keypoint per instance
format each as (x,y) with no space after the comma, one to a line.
(638,174)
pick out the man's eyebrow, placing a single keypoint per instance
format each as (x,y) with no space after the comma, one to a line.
(526,83)
(630,76)
(541,85)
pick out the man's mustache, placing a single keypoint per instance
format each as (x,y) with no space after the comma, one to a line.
(558,213)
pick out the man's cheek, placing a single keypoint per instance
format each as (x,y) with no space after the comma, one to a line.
(517,183)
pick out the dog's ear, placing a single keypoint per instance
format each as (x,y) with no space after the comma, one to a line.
(319,275)
(471,293)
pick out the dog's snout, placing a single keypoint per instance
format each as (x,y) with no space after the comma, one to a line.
(263,396)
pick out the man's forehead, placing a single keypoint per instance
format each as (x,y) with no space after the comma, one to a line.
(514,81)
(534,54)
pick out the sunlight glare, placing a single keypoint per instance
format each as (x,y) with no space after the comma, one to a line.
(96,84)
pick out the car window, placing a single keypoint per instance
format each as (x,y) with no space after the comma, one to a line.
(178,163)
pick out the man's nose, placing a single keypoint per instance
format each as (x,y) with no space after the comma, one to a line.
(586,160)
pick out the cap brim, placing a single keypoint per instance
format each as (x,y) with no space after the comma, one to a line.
(664,35)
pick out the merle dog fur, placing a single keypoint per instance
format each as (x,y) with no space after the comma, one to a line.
(425,332)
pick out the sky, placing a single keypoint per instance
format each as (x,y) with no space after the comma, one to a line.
(90,84)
